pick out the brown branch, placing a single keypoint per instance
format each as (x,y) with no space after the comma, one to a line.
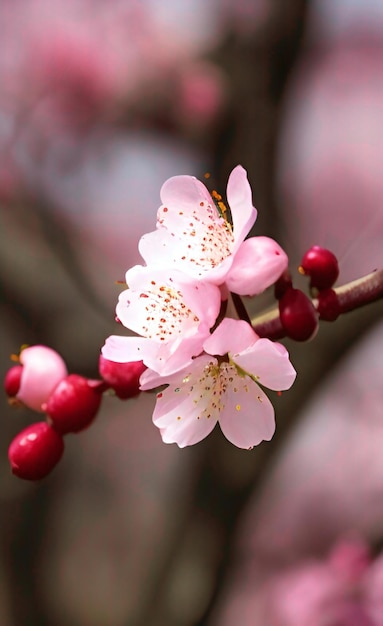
(348,297)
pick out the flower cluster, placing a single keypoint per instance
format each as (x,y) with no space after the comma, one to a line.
(207,367)
(176,302)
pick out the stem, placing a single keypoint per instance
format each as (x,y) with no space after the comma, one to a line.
(349,297)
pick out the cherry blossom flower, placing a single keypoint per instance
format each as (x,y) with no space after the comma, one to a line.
(222,385)
(172,313)
(194,236)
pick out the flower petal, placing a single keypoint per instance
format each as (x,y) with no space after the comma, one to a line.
(240,201)
(156,248)
(150,379)
(165,359)
(184,412)
(258,263)
(126,349)
(163,305)
(268,361)
(230,336)
(248,415)
(180,195)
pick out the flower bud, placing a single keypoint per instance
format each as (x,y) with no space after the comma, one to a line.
(298,315)
(74,403)
(283,283)
(35,451)
(124,378)
(328,305)
(322,267)
(12,380)
(31,382)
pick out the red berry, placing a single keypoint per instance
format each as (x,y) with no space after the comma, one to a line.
(124,378)
(298,315)
(12,380)
(74,404)
(35,451)
(322,267)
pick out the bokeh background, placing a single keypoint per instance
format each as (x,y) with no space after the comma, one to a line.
(100,102)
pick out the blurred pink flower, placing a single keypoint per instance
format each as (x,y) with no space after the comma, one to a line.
(201,93)
(74,79)
(193,235)
(171,311)
(223,388)
(43,369)
(333,592)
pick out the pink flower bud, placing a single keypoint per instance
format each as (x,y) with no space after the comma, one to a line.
(42,369)
(74,403)
(35,451)
(124,378)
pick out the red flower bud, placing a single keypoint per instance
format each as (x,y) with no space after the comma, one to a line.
(124,378)
(35,451)
(12,380)
(74,403)
(298,315)
(322,267)
(328,305)
(283,283)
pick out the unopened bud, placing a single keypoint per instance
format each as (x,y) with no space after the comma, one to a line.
(74,403)
(35,451)
(124,378)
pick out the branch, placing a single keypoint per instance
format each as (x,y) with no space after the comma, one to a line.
(348,297)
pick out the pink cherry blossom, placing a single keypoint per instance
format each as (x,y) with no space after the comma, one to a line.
(222,386)
(345,589)
(170,311)
(43,369)
(193,236)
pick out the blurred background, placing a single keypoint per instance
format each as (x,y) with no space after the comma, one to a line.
(100,102)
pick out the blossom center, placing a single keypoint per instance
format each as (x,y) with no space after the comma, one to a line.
(165,313)
(208,238)
(207,389)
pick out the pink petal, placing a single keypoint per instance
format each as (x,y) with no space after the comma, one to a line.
(43,369)
(182,194)
(163,359)
(126,349)
(157,248)
(150,379)
(163,305)
(183,412)
(268,362)
(240,201)
(248,415)
(258,263)
(230,336)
